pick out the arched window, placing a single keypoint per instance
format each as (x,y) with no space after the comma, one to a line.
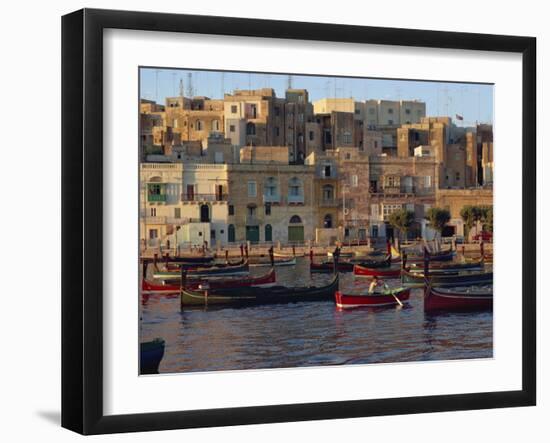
(215,125)
(327,221)
(295,190)
(328,193)
(199,125)
(250,128)
(271,191)
(268,233)
(295,219)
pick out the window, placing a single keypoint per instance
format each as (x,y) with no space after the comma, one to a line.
(215,125)
(346,137)
(301,118)
(295,219)
(153,212)
(230,210)
(372,111)
(231,128)
(428,181)
(354,181)
(389,209)
(199,125)
(295,187)
(276,131)
(407,111)
(268,209)
(348,155)
(270,188)
(153,233)
(251,189)
(212,234)
(327,170)
(390,122)
(218,157)
(311,135)
(327,221)
(393,181)
(457,176)
(233,109)
(250,128)
(328,193)
(277,111)
(177,212)
(357,111)
(390,111)
(251,211)
(375,144)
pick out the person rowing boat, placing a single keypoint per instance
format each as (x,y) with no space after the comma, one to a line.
(375,283)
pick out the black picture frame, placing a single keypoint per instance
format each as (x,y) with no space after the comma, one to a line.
(82,218)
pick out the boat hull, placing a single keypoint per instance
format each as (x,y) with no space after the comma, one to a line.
(362,271)
(150,356)
(148,287)
(253,295)
(346,301)
(437,300)
(458,278)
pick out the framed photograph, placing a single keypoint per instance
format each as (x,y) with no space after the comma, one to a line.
(270,221)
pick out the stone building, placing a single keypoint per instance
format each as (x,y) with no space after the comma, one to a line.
(270,199)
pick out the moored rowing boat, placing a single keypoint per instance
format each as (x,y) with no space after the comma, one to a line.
(464,298)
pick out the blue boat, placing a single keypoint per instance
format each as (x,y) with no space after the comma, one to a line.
(150,356)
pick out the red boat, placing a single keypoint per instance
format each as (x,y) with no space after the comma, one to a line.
(377,299)
(214,283)
(461,298)
(363,271)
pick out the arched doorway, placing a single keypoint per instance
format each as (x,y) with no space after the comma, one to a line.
(231,234)
(327,221)
(295,229)
(205,214)
(268,233)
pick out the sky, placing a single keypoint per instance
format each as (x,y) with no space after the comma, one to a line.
(472,101)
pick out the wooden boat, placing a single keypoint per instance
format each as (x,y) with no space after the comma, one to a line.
(439,267)
(184,259)
(211,271)
(365,271)
(327,266)
(461,298)
(288,261)
(192,266)
(377,299)
(148,287)
(253,295)
(446,278)
(150,356)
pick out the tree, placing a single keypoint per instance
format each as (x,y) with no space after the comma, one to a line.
(438,218)
(467,214)
(487,218)
(402,220)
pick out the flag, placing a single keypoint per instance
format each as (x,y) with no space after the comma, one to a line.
(459,117)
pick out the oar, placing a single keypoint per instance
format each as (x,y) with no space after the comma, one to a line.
(394,296)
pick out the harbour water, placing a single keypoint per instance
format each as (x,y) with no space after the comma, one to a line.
(310,334)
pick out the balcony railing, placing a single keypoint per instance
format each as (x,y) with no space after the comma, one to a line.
(156,197)
(203,197)
(272,199)
(252,220)
(329,203)
(295,199)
